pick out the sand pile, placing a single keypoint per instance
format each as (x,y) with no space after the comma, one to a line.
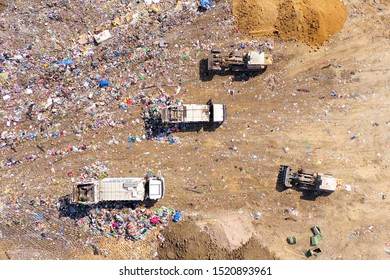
(310,21)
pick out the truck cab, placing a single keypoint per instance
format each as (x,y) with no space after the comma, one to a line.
(326,183)
(155,188)
(217,113)
(258,60)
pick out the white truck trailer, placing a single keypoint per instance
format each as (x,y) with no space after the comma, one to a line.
(119,189)
(194,113)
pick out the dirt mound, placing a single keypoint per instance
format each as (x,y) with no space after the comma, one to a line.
(186,241)
(3,5)
(310,21)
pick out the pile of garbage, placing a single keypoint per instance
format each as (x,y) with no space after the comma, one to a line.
(127,223)
(42,85)
(97,170)
(60,85)
(35,218)
(155,128)
(55,219)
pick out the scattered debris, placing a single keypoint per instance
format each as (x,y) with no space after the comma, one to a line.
(313,252)
(103,36)
(348,188)
(292,240)
(257,215)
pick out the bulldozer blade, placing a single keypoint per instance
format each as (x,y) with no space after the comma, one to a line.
(284,176)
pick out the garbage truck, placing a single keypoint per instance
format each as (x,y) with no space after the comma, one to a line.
(238,61)
(304,179)
(194,113)
(119,189)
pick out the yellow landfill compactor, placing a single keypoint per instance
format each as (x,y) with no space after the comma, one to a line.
(238,61)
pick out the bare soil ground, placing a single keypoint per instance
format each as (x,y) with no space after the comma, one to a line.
(327,104)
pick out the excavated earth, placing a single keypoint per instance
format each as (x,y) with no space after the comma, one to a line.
(309,21)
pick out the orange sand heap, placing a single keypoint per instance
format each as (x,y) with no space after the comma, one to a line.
(310,21)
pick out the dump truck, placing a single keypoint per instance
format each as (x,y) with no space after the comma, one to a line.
(303,179)
(119,189)
(238,61)
(194,113)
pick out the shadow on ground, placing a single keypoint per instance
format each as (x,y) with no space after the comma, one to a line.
(76,211)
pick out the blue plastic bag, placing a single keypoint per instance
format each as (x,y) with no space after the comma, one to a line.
(177,216)
(104,83)
(205,4)
(67,61)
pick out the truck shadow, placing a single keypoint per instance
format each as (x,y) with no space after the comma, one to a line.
(205,75)
(198,127)
(308,195)
(155,129)
(77,211)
